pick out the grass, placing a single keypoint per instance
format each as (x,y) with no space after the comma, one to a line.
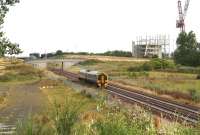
(112,67)
(179,85)
(90,62)
(175,84)
(16,73)
(74,113)
(20,73)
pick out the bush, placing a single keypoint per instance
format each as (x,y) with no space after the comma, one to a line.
(161,64)
(198,76)
(195,95)
(154,64)
(118,122)
(147,66)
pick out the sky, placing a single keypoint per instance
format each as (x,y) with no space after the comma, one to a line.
(93,25)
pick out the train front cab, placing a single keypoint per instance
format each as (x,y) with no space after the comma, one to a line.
(102,80)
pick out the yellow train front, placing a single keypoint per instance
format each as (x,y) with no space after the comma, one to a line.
(98,78)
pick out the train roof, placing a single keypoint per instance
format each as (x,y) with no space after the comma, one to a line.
(90,72)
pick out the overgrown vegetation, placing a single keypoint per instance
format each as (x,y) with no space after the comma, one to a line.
(20,72)
(77,115)
(154,64)
(166,78)
(195,95)
(198,76)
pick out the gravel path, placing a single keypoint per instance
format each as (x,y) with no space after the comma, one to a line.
(23,100)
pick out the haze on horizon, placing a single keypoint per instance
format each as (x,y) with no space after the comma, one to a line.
(93,25)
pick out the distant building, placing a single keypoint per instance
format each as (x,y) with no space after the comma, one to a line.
(150,46)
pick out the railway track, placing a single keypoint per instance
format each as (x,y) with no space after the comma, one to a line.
(168,108)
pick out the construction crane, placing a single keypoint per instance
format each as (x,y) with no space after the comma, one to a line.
(182,14)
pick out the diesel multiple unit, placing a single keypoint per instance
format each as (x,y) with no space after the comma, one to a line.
(98,78)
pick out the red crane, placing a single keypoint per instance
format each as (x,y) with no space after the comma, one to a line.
(182,14)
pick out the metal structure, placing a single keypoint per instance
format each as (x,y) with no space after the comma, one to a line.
(151,46)
(182,14)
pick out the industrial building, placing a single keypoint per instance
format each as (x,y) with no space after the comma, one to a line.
(150,46)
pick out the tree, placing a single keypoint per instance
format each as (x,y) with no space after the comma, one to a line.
(13,49)
(59,52)
(6,47)
(187,52)
(3,48)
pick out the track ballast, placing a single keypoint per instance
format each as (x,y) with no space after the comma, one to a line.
(169,108)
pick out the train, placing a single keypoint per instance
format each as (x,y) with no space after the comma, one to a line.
(100,79)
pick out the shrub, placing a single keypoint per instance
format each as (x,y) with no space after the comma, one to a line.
(195,95)
(162,64)
(154,64)
(65,116)
(198,76)
(147,67)
(118,122)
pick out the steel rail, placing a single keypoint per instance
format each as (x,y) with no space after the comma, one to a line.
(155,99)
(185,112)
(155,107)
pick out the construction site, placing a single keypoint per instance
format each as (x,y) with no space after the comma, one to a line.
(159,45)
(151,46)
